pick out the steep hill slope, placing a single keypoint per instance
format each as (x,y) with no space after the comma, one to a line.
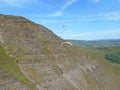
(45,63)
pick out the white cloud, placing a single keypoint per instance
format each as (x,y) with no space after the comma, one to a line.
(58,13)
(94,1)
(70,2)
(98,17)
(66,5)
(17,3)
(107,16)
(104,16)
(79,35)
(98,33)
(111,16)
(54,6)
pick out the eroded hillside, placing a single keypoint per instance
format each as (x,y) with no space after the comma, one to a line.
(44,63)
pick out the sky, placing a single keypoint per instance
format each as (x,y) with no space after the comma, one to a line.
(70,19)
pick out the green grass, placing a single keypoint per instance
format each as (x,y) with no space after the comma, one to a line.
(113,54)
(45,44)
(92,53)
(98,55)
(8,64)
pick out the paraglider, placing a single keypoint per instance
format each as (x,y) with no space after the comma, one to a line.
(69,43)
(64,26)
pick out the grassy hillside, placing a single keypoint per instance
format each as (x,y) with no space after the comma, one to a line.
(8,64)
(112,53)
(98,55)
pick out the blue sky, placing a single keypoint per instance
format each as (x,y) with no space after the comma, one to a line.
(70,19)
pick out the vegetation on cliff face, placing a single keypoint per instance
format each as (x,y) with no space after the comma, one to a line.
(98,55)
(9,64)
(113,54)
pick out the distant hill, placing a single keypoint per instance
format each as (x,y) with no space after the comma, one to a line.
(96,43)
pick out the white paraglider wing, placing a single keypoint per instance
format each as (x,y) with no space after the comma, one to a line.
(69,43)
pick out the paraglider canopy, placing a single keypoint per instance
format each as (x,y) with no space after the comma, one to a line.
(69,43)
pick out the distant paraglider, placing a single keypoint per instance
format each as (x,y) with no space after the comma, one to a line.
(69,43)
(64,26)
